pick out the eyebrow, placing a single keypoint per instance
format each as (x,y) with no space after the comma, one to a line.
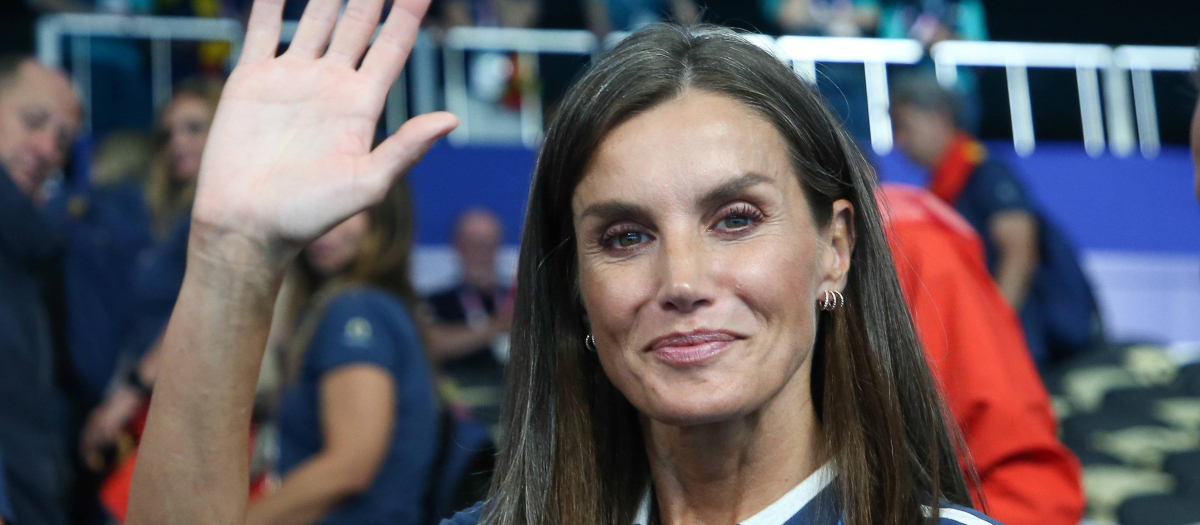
(728,190)
(612,210)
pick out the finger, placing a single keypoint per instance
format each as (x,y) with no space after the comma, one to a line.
(387,55)
(262,31)
(313,31)
(354,30)
(404,148)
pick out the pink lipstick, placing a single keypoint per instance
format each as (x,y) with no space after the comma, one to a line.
(686,348)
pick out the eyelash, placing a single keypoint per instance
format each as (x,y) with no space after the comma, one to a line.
(744,211)
(740,210)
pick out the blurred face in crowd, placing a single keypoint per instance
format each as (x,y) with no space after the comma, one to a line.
(332,253)
(700,262)
(922,134)
(477,240)
(186,121)
(39,117)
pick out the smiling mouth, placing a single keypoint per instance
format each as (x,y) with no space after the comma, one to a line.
(687,348)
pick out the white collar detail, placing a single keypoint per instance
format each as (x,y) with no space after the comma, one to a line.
(777,513)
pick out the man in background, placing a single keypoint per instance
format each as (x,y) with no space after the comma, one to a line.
(1034,266)
(39,116)
(469,336)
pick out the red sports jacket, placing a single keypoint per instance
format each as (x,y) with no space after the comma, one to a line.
(975,347)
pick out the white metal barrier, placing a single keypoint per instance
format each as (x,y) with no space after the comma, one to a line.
(1139,62)
(160,31)
(1016,58)
(1100,104)
(873,53)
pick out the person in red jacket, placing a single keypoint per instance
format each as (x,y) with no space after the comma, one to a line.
(975,347)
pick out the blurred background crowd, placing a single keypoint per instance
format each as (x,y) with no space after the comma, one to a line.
(1073,369)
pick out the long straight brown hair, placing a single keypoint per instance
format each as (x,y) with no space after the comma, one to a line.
(169,198)
(571,452)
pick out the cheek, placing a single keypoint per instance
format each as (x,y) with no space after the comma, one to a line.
(776,279)
(612,295)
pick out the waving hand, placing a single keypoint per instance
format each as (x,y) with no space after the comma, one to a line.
(288,157)
(289,154)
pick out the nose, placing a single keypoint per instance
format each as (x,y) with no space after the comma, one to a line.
(685,274)
(44,144)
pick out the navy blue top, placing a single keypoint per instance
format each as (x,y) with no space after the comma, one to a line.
(991,189)
(155,286)
(1060,316)
(809,515)
(368,326)
(808,504)
(34,409)
(104,238)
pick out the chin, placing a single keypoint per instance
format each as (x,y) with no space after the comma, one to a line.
(699,404)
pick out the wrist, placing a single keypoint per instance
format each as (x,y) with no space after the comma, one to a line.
(235,254)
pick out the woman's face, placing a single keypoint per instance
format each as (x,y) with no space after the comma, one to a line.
(186,121)
(699,262)
(333,252)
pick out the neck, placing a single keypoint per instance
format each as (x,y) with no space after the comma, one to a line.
(729,471)
(480,279)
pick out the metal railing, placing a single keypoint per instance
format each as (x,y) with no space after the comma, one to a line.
(1104,106)
(159,30)
(1140,62)
(1016,58)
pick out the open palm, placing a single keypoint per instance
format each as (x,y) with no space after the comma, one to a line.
(289,153)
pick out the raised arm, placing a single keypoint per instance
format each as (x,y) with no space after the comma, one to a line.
(289,156)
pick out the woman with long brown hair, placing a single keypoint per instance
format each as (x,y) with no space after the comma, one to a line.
(183,130)
(356,418)
(708,325)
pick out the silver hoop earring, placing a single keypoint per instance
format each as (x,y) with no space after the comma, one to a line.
(832,301)
(590,342)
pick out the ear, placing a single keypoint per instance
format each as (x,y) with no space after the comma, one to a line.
(838,242)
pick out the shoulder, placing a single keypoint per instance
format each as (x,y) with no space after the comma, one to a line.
(370,321)
(955,515)
(995,185)
(467,517)
(992,173)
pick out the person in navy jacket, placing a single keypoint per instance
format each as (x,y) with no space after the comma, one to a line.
(708,327)
(39,116)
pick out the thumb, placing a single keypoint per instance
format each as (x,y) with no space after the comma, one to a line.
(399,152)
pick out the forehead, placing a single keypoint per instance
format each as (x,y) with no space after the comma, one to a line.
(37,86)
(684,146)
(187,106)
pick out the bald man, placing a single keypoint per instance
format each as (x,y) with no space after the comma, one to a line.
(39,116)
(472,319)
